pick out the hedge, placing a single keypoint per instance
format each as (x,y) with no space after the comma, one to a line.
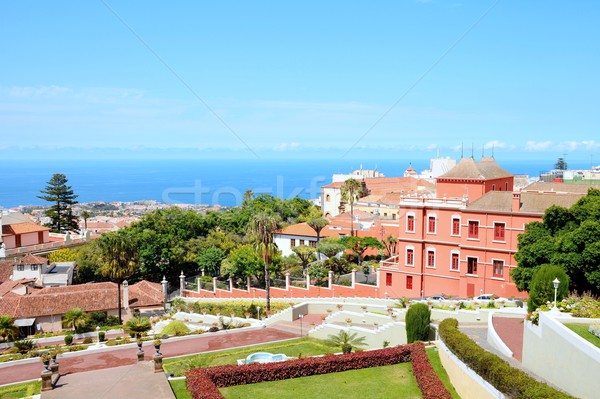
(203,383)
(512,382)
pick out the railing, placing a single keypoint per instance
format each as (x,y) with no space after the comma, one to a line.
(298,282)
(44,247)
(278,283)
(206,285)
(191,284)
(223,285)
(392,262)
(240,284)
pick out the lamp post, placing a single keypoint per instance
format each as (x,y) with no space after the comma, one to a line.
(301,316)
(258,310)
(98,334)
(556,282)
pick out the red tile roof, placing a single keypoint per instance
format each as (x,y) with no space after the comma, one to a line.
(6,270)
(23,228)
(30,259)
(89,297)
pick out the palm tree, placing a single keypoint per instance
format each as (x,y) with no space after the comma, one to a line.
(262,226)
(85,215)
(347,341)
(390,245)
(118,257)
(318,224)
(352,190)
(137,326)
(8,330)
(75,318)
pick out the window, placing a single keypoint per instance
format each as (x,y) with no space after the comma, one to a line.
(393,216)
(493,187)
(328,198)
(409,282)
(498,268)
(410,223)
(471,265)
(430,258)
(431,224)
(473,229)
(34,267)
(388,279)
(313,244)
(292,243)
(455,226)
(506,186)
(301,242)
(410,256)
(20,268)
(498,231)
(454,264)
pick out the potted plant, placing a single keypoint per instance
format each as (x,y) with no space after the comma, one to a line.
(247,314)
(157,342)
(204,311)
(45,358)
(364,308)
(339,306)
(139,343)
(348,321)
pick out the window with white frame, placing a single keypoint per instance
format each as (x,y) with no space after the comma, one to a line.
(410,256)
(431,223)
(455,226)
(410,222)
(455,261)
(431,257)
(498,268)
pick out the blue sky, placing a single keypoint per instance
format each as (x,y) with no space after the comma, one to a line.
(304,79)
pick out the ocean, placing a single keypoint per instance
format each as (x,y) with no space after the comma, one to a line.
(190,181)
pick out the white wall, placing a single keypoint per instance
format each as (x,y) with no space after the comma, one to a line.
(557,354)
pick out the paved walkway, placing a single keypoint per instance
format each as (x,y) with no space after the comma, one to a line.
(127,356)
(510,331)
(137,381)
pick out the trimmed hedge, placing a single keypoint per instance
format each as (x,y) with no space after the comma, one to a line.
(418,318)
(203,383)
(498,372)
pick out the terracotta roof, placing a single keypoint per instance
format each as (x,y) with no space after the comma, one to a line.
(303,230)
(403,185)
(561,187)
(501,201)
(30,259)
(337,184)
(467,168)
(6,270)
(89,297)
(23,228)
(10,285)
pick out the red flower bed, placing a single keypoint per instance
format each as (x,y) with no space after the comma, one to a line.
(204,383)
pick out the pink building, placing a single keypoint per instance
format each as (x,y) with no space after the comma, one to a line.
(463,242)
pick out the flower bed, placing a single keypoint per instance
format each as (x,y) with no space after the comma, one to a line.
(505,378)
(204,383)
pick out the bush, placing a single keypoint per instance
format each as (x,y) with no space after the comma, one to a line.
(101,336)
(24,345)
(418,318)
(68,339)
(88,340)
(541,288)
(204,382)
(176,327)
(213,329)
(512,382)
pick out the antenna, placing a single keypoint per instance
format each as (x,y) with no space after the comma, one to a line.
(472,150)
(483,151)
(493,146)
(462,150)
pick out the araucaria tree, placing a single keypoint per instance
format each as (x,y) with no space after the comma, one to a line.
(118,258)
(351,190)
(62,197)
(262,227)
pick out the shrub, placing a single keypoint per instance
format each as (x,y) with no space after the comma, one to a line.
(213,329)
(508,380)
(176,327)
(204,382)
(88,340)
(101,336)
(24,345)
(137,326)
(68,339)
(541,288)
(418,318)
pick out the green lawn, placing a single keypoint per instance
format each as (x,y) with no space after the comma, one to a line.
(22,390)
(582,331)
(436,363)
(292,348)
(395,381)
(179,389)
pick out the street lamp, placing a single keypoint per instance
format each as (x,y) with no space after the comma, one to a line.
(98,334)
(301,316)
(556,282)
(258,310)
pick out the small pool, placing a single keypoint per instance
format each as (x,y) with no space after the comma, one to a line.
(265,357)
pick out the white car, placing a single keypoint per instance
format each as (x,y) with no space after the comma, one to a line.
(489,297)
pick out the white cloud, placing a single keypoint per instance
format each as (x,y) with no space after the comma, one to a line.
(534,146)
(42,91)
(431,147)
(494,144)
(286,147)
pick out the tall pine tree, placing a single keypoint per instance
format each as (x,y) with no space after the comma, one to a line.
(61,195)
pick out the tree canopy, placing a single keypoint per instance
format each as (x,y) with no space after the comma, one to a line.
(352,190)
(359,245)
(62,198)
(569,238)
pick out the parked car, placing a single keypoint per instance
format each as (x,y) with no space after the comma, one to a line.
(489,297)
(441,297)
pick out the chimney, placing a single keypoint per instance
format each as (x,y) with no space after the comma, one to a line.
(125,294)
(516,201)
